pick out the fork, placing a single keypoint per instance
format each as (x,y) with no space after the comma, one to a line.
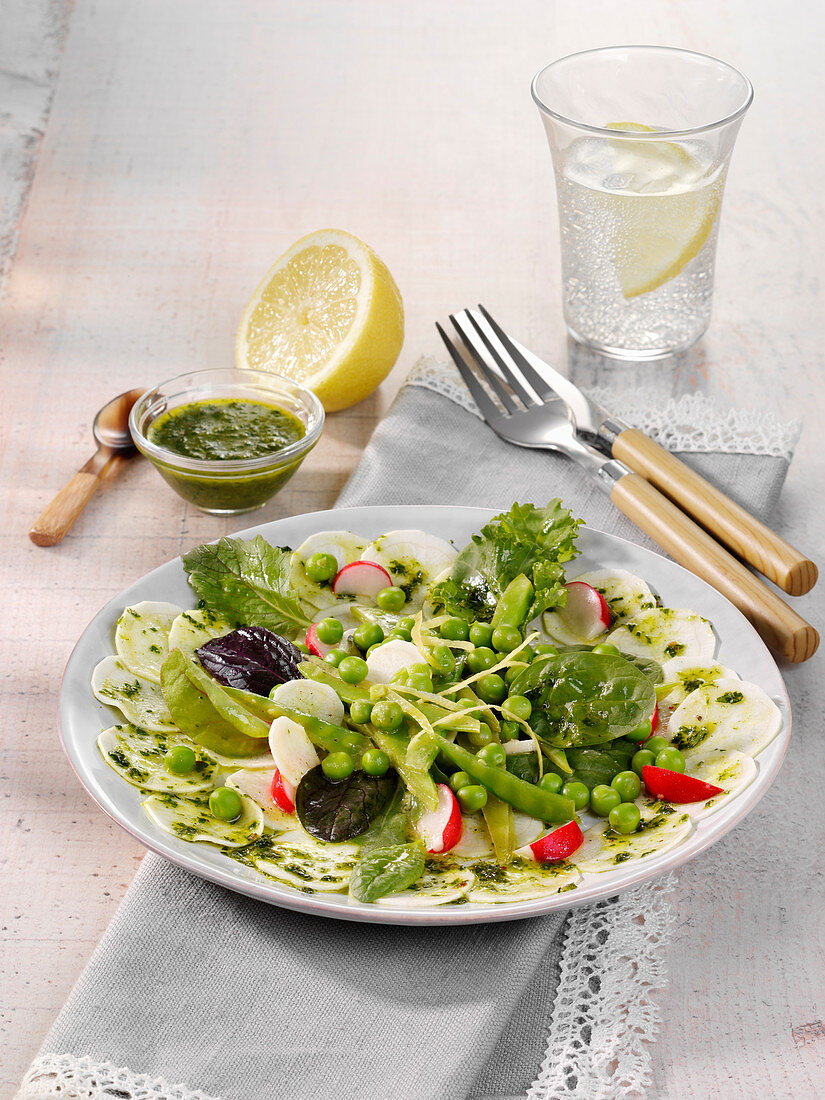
(521,409)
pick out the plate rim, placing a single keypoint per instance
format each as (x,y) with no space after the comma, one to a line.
(316,904)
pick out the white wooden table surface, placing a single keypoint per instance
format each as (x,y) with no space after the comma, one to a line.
(185,146)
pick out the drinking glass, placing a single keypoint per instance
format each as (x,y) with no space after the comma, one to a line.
(641,138)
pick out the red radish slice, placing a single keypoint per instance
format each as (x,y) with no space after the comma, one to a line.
(586,612)
(440,829)
(559,844)
(314,643)
(361,578)
(282,793)
(668,786)
(654,719)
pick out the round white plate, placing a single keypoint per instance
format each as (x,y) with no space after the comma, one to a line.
(82,717)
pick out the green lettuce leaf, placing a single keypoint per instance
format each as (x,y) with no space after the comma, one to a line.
(246,580)
(530,540)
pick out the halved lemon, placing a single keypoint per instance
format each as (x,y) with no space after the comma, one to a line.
(327,314)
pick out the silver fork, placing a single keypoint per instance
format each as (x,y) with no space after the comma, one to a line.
(522,409)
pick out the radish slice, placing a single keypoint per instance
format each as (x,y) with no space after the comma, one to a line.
(293,752)
(283,793)
(654,719)
(361,578)
(314,643)
(586,612)
(440,829)
(559,844)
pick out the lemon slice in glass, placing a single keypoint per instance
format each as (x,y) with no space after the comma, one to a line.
(664,213)
(328,315)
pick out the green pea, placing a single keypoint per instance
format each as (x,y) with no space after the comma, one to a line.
(335,657)
(625,818)
(481,634)
(480,737)
(671,759)
(360,711)
(642,759)
(303,648)
(337,765)
(407,623)
(391,599)
(494,755)
(628,785)
(491,688)
(603,799)
(509,731)
(400,677)
(443,657)
(321,567)
(180,760)
(545,650)
(421,681)
(225,804)
(330,631)
(471,798)
(607,648)
(387,715)
(517,706)
(352,670)
(506,638)
(551,782)
(375,762)
(577,792)
(656,744)
(366,635)
(400,632)
(511,673)
(641,733)
(459,780)
(456,630)
(479,660)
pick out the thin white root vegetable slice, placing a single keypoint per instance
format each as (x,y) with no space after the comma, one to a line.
(522,880)
(682,675)
(625,593)
(298,860)
(665,826)
(733,771)
(433,888)
(257,785)
(139,701)
(412,558)
(261,762)
(189,818)
(666,632)
(192,629)
(310,697)
(728,716)
(138,757)
(344,546)
(293,752)
(388,659)
(475,838)
(527,829)
(142,637)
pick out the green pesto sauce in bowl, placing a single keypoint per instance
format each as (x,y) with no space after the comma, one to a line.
(225,429)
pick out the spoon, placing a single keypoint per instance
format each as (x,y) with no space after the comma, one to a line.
(114,447)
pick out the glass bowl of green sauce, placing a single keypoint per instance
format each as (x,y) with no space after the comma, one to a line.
(227,440)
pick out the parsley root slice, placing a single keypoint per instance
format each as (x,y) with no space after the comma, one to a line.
(668,786)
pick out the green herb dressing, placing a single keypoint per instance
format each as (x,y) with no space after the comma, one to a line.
(225,429)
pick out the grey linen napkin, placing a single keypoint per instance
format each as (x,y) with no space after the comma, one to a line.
(196,992)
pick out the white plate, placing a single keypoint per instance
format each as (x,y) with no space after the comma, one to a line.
(82,717)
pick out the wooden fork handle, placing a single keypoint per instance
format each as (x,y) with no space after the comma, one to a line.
(59,516)
(730,523)
(778,625)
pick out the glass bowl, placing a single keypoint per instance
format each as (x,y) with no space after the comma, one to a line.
(227,487)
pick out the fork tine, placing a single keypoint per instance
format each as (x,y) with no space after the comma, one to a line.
(532,377)
(490,372)
(489,410)
(508,370)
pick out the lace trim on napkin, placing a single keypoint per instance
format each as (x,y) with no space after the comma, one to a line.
(692,422)
(604,1017)
(64,1077)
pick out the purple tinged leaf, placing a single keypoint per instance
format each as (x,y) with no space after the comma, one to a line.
(251,658)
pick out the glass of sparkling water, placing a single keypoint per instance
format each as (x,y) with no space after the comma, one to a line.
(641,138)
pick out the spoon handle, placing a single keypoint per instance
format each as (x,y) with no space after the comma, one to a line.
(58,517)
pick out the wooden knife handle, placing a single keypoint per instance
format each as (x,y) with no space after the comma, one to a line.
(58,517)
(730,523)
(778,625)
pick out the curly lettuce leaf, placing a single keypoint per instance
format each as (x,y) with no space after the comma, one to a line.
(246,580)
(529,540)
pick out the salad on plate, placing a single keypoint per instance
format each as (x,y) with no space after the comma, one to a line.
(414,724)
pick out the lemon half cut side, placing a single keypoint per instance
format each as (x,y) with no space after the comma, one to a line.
(328,315)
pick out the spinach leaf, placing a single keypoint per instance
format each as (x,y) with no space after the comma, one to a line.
(582,698)
(596,765)
(342,809)
(195,715)
(386,871)
(252,659)
(525,765)
(651,669)
(247,581)
(529,540)
(389,828)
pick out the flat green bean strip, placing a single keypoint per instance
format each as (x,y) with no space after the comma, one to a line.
(418,780)
(325,735)
(349,693)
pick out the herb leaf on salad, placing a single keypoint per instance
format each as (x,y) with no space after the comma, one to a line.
(247,581)
(526,540)
(251,658)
